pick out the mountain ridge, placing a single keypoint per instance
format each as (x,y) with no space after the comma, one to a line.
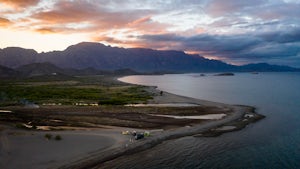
(100,57)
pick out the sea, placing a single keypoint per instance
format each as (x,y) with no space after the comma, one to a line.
(271,143)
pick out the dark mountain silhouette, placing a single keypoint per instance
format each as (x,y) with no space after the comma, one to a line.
(13,56)
(43,69)
(6,72)
(125,72)
(39,69)
(103,57)
(85,71)
(92,57)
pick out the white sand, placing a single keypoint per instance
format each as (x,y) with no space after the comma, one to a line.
(164,105)
(224,128)
(168,98)
(200,117)
(5,111)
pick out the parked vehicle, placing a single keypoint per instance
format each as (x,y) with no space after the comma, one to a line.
(139,136)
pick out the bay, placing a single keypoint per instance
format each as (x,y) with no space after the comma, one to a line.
(273,142)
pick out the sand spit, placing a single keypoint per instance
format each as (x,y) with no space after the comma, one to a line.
(163,105)
(90,147)
(204,117)
(236,120)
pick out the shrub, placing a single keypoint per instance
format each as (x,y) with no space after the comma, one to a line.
(34,127)
(48,136)
(58,137)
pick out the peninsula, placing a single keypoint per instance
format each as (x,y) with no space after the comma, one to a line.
(87,133)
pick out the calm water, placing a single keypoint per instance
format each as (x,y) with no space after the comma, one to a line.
(273,142)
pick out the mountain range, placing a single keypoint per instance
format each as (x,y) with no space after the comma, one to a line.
(96,58)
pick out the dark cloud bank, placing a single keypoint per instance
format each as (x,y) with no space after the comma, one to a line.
(277,47)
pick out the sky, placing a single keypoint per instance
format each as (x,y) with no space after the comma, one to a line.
(234,31)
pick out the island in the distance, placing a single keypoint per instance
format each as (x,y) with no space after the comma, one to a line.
(225,74)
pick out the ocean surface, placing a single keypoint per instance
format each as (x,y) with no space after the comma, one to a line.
(273,142)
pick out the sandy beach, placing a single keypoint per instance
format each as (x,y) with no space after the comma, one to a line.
(23,149)
(91,147)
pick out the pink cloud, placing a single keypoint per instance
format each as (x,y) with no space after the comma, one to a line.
(140,21)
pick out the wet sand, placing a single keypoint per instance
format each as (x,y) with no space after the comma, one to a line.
(32,150)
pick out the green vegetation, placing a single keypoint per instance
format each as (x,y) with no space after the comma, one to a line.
(57,137)
(90,89)
(48,136)
(34,127)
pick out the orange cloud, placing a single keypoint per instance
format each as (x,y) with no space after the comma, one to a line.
(20,3)
(46,30)
(89,13)
(58,30)
(134,42)
(80,11)
(102,24)
(141,20)
(110,27)
(106,39)
(63,16)
(4,22)
(147,25)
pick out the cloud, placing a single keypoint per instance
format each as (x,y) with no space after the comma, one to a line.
(206,42)
(287,36)
(140,21)
(68,12)
(231,7)
(94,18)
(20,3)
(162,38)
(46,30)
(277,11)
(252,47)
(249,16)
(76,11)
(273,51)
(107,39)
(228,29)
(4,22)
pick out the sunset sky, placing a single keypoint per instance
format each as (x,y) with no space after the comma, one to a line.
(235,31)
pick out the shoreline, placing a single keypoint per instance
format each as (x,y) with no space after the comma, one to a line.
(99,152)
(236,120)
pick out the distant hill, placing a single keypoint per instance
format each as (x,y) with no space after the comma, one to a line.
(49,70)
(43,69)
(93,58)
(6,72)
(125,72)
(14,57)
(85,71)
(39,69)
